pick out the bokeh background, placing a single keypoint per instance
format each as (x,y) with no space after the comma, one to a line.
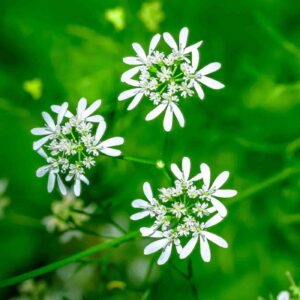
(52,51)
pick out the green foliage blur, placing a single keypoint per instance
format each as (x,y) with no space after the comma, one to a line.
(53,51)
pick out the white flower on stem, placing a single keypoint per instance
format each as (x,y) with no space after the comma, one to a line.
(141,59)
(51,129)
(145,206)
(52,169)
(169,105)
(165,243)
(181,48)
(204,236)
(284,295)
(209,192)
(83,113)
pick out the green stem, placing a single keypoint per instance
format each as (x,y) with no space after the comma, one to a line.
(58,264)
(281,176)
(137,160)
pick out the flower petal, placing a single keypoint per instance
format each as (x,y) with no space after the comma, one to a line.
(178,114)
(176,171)
(204,249)
(183,36)
(220,207)
(156,112)
(220,180)
(139,51)
(42,153)
(154,42)
(94,106)
(195,59)
(139,215)
(56,109)
(170,40)
(49,121)
(100,131)
(81,107)
(129,74)
(199,90)
(136,100)
(128,94)
(112,142)
(77,187)
(95,119)
(139,203)
(84,179)
(210,68)
(40,172)
(192,47)
(155,246)
(151,231)
(131,60)
(213,221)
(165,255)
(63,110)
(197,177)
(213,84)
(225,193)
(205,170)
(111,152)
(215,239)
(40,131)
(168,119)
(61,186)
(51,181)
(148,191)
(186,167)
(38,144)
(189,247)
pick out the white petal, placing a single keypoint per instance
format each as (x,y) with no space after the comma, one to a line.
(168,119)
(220,180)
(186,167)
(148,191)
(225,193)
(170,40)
(112,142)
(154,42)
(183,35)
(136,100)
(92,108)
(176,171)
(139,203)
(56,109)
(129,74)
(48,119)
(40,172)
(51,181)
(139,215)
(61,186)
(220,207)
(77,187)
(151,231)
(155,246)
(38,144)
(128,94)
(284,295)
(213,84)
(204,249)
(199,90)
(215,239)
(213,221)
(95,119)
(81,107)
(139,51)
(156,112)
(197,177)
(189,247)
(195,59)
(40,131)
(192,47)
(165,255)
(100,131)
(84,179)
(132,60)
(178,114)
(210,68)
(42,153)
(111,152)
(205,170)
(62,112)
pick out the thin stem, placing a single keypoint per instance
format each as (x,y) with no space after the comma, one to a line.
(137,160)
(58,264)
(190,275)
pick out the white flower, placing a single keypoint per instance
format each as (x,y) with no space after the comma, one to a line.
(284,295)
(210,192)
(204,236)
(52,168)
(141,59)
(165,243)
(51,129)
(83,113)
(181,48)
(169,105)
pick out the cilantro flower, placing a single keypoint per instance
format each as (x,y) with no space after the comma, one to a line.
(71,145)
(181,215)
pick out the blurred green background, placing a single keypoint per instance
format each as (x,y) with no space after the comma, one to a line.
(52,51)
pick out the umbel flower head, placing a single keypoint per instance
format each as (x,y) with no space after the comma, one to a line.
(70,144)
(181,215)
(167,78)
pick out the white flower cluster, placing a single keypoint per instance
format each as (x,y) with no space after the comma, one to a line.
(181,214)
(166,78)
(71,144)
(68,215)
